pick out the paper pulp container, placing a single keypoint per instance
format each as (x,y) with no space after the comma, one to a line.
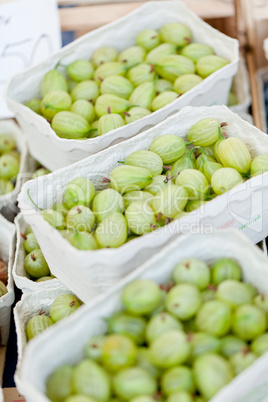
(66,343)
(54,152)
(21,278)
(7,252)
(8,201)
(30,305)
(87,273)
(241,89)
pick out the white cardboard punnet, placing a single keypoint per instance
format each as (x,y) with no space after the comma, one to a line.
(8,201)
(241,89)
(54,152)
(87,273)
(21,279)
(29,306)
(246,116)
(7,252)
(66,343)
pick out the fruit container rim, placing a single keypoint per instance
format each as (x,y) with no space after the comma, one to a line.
(70,150)
(226,245)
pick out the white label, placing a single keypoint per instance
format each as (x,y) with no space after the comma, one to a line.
(29,32)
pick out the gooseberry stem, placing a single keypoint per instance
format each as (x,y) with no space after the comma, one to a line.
(28,193)
(189,143)
(23,236)
(168,220)
(59,62)
(212,287)
(105,180)
(190,153)
(168,178)
(57,65)
(222,134)
(159,216)
(167,167)
(246,175)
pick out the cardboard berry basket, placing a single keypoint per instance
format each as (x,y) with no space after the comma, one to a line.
(241,89)
(7,252)
(30,305)
(21,279)
(65,344)
(87,273)
(55,152)
(27,165)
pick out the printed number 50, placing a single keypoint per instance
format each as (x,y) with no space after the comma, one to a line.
(14,56)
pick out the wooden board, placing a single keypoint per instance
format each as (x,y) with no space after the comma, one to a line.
(252,32)
(204,8)
(2,361)
(93,16)
(12,395)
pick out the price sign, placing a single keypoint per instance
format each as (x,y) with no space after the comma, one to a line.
(29,32)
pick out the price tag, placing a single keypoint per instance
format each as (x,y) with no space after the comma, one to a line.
(29,32)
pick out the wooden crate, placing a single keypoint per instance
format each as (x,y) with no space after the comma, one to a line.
(252,30)
(91,14)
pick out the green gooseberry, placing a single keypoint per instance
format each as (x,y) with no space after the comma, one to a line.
(194,271)
(106,202)
(59,384)
(223,269)
(36,325)
(79,191)
(9,167)
(54,218)
(63,306)
(53,80)
(183,301)
(248,322)
(30,243)
(80,218)
(169,147)
(128,325)
(133,382)
(84,108)
(5,187)
(214,317)
(103,55)
(35,264)
(112,231)
(93,348)
(160,323)
(141,296)
(118,352)
(80,70)
(7,143)
(91,379)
